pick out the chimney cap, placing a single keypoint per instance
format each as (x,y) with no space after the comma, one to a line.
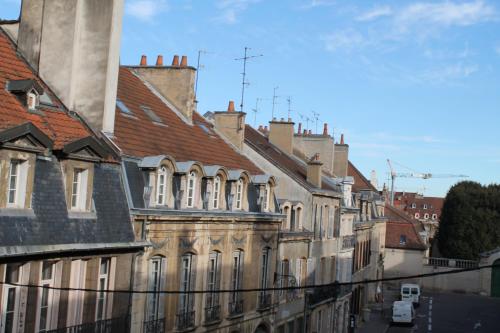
(159,60)
(184,61)
(315,159)
(342,142)
(300,129)
(175,61)
(144,60)
(325,129)
(230,106)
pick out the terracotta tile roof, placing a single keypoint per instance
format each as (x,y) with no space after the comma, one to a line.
(399,224)
(405,200)
(360,181)
(138,136)
(57,124)
(290,165)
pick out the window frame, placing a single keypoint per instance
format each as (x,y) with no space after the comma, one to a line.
(186,301)
(46,294)
(239,193)
(213,279)
(216,192)
(191,187)
(156,284)
(103,282)
(78,196)
(266,198)
(6,293)
(162,179)
(20,187)
(236,274)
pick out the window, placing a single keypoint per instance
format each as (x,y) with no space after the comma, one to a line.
(434,216)
(217,185)
(187,283)
(402,240)
(299,218)
(293,218)
(79,189)
(161,193)
(266,198)
(236,274)
(155,303)
(213,279)
(264,270)
(16,190)
(426,216)
(103,284)
(285,274)
(417,215)
(319,321)
(45,297)
(191,188)
(32,100)
(425,206)
(330,217)
(76,297)
(413,205)
(10,298)
(123,108)
(300,271)
(239,193)
(150,113)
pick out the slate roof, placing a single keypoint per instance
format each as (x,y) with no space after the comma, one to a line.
(290,165)
(360,181)
(54,122)
(398,224)
(138,136)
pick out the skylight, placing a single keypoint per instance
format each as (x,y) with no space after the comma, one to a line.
(150,113)
(123,108)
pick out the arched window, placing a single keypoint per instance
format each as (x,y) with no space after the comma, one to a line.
(161,187)
(426,216)
(213,286)
(191,188)
(217,186)
(298,218)
(266,198)
(239,194)
(286,223)
(235,302)
(156,301)
(187,283)
(417,215)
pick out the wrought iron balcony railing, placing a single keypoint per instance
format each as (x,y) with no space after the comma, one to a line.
(235,308)
(114,325)
(326,293)
(185,320)
(212,314)
(348,242)
(154,326)
(264,301)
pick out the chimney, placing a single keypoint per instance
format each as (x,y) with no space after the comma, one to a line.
(341,158)
(175,83)
(75,46)
(314,171)
(310,132)
(231,124)
(159,60)
(266,130)
(299,131)
(144,61)
(281,134)
(325,129)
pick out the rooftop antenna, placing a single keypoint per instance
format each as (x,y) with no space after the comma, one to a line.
(302,117)
(275,97)
(316,118)
(257,100)
(289,100)
(243,81)
(198,67)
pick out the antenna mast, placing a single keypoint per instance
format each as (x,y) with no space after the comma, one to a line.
(198,66)
(274,101)
(243,81)
(289,100)
(316,118)
(257,100)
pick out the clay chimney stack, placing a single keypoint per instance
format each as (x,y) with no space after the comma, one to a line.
(184,61)
(325,129)
(341,158)
(144,60)
(299,131)
(230,107)
(159,60)
(342,139)
(175,61)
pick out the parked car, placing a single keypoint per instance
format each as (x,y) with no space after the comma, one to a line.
(403,312)
(411,293)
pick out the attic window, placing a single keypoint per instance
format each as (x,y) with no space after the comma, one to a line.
(32,100)
(402,240)
(123,108)
(205,129)
(150,113)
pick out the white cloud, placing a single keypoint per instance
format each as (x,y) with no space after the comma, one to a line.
(317,3)
(345,40)
(448,73)
(231,9)
(445,14)
(375,13)
(145,10)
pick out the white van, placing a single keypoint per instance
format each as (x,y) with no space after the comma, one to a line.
(403,312)
(410,293)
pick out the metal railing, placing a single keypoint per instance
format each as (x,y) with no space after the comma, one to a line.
(452,263)
(154,326)
(348,242)
(212,314)
(114,325)
(327,293)
(235,308)
(264,301)
(185,320)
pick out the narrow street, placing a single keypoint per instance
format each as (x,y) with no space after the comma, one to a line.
(454,313)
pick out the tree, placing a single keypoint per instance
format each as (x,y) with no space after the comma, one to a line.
(470,221)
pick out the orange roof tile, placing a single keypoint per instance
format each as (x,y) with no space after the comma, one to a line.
(138,136)
(399,224)
(360,181)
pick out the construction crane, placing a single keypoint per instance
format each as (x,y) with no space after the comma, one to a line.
(420,175)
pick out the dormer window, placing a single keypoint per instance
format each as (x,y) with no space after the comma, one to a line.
(17,183)
(79,189)
(32,100)
(239,194)
(434,216)
(265,199)
(216,192)
(413,205)
(161,192)
(425,206)
(402,240)
(28,91)
(191,188)
(417,215)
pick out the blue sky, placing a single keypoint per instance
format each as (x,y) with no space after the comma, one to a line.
(414,81)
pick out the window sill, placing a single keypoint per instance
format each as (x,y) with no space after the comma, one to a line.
(82,215)
(15,212)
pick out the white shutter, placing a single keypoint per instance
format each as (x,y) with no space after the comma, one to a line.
(163,281)
(111,286)
(56,294)
(311,267)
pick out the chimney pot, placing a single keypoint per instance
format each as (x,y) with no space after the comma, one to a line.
(342,142)
(144,61)
(282,120)
(289,120)
(265,128)
(175,61)
(299,132)
(261,128)
(310,132)
(230,107)
(305,132)
(184,61)
(159,60)
(325,129)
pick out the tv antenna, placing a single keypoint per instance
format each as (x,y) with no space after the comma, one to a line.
(198,67)
(289,101)
(302,117)
(316,118)
(244,83)
(256,110)
(275,97)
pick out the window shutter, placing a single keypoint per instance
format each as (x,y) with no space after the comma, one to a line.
(242,269)
(310,271)
(56,294)
(150,297)
(218,277)
(111,286)
(204,199)
(298,271)
(192,283)
(163,282)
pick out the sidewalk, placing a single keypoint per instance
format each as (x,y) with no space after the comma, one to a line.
(377,323)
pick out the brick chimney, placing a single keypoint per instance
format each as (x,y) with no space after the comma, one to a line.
(341,158)
(281,134)
(231,124)
(75,47)
(314,171)
(175,83)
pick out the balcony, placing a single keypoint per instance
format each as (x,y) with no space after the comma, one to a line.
(264,302)
(328,293)
(114,325)
(185,321)
(212,314)
(235,308)
(296,234)
(348,242)
(154,326)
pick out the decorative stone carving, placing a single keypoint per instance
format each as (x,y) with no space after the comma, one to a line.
(187,243)
(267,238)
(239,241)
